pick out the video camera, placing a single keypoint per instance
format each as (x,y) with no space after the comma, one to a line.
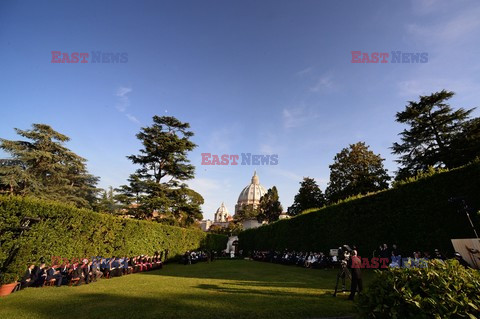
(344,254)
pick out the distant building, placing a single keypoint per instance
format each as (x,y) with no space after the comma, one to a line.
(249,196)
(283,215)
(206,224)
(222,215)
(222,218)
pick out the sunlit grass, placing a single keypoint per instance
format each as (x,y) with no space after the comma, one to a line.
(222,289)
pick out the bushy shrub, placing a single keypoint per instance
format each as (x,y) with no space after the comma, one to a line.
(441,290)
(69,232)
(414,215)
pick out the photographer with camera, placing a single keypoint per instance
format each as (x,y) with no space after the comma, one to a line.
(357,282)
(344,260)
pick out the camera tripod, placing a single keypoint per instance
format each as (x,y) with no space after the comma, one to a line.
(342,273)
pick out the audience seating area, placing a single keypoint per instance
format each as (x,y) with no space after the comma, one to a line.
(87,271)
(320,261)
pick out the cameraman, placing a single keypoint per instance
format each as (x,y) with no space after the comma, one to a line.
(357,282)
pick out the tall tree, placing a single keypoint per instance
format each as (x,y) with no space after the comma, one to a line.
(356,170)
(269,207)
(43,167)
(466,145)
(433,126)
(157,187)
(309,196)
(107,202)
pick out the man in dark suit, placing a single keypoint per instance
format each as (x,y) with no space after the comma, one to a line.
(40,275)
(53,273)
(65,272)
(28,278)
(86,270)
(357,282)
(166,255)
(77,273)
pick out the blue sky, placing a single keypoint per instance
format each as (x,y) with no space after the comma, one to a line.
(265,77)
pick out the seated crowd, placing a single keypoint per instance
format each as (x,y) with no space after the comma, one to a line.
(320,260)
(416,259)
(302,259)
(86,271)
(192,257)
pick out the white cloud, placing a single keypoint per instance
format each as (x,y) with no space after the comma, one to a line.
(324,82)
(290,175)
(295,117)
(425,6)
(222,138)
(304,71)
(123,102)
(267,149)
(122,91)
(462,27)
(204,185)
(427,85)
(411,88)
(132,118)
(447,36)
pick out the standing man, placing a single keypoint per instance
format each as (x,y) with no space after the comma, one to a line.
(166,255)
(356,275)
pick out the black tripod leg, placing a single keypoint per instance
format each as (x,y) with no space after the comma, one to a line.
(348,274)
(336,286)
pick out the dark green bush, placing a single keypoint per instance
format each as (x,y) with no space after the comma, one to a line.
(70,232)
(441,290)
(414,215)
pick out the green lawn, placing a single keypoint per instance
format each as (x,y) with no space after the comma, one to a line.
(222,289)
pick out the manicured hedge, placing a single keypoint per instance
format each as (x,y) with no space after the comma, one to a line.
(75,233)
(440,290)
(416,216)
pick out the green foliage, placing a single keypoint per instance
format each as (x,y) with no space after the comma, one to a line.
(466,146)
(356,170)
(234,228)
(441,290)
(158,185)
(246,212)
(414,215)
(309,196)
(430,171)
(75,233)
(107,203)
(42,166)
(437,135)
(8,278)
(269,207)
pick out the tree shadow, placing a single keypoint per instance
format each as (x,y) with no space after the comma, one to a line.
(200,291)
(184,305)
(266,292)
(304,278)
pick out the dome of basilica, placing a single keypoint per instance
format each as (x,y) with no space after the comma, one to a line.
(251,194)
(222,215)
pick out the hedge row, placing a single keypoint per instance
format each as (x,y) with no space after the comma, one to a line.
(416,216)
(70,232)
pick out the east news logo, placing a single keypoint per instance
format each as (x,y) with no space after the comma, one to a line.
(382,57)
(96,57)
